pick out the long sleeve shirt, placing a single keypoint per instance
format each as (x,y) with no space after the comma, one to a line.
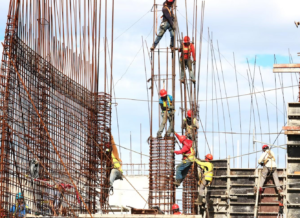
(168,13)
(268,156)
(186,148)
(191,48)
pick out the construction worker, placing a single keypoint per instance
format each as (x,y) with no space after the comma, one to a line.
(175,209)
(188,154)
(167,113)
(205,172)
(117,172)
(20,209)
(166,24)
(189,126)
(187,48)
(267,160)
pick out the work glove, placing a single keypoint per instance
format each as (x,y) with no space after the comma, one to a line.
(194,62)
(174,27)
(177,152)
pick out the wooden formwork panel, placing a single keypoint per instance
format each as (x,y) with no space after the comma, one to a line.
(293,213)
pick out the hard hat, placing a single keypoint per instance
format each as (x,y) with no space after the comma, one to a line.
(175,206)
(265,147)
(186,39)
(280,204)
(189,113)
(209,157)
(170,1)
(181,138)
(19,196)
(163,93)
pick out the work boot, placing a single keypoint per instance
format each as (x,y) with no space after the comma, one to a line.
(177,182)
(158,135)
(182,80)
(199,200)
(193,80)
(167,135)
(152,48)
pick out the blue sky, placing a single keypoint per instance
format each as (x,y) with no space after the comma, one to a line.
(247,28)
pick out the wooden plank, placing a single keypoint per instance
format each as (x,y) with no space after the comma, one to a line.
(286,68)
(291,128)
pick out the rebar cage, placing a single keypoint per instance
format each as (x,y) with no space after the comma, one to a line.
(49,118)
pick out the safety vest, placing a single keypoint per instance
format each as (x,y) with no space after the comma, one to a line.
(17,208)
(207,168)
(116,163)
(165,102)
(186,50)
(189,127)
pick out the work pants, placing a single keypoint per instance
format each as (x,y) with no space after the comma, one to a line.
(164,26)
(166,116)
(264,174)
(201,188)
(186,64)
(182,169)
(115,175)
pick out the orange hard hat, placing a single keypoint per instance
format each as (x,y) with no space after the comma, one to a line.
(189,113)
(163,93)
(186,39)
(181,138)
(209,157)
(175,206)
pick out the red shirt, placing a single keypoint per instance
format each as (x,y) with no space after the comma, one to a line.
(191,49)
(186,148)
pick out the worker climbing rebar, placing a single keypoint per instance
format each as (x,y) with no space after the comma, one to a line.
(20,209)
(205,172)
(190,126)
(188,154)
(167,113)
(267,160)
(166,24)
(116,172)
(187,48)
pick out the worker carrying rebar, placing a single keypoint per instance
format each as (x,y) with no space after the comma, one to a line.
(167,113)
(188,154)
(190,126)
(117,172)
(267,160)
(166,24)
(175,209)
(20,209)
(205,172)
(187,48)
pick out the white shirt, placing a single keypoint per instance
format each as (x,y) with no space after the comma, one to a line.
(267,155)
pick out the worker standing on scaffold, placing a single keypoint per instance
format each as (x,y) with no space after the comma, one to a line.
(187,48)
(167,113)
(188,154)
(205,172)
(190,126)
(166,24)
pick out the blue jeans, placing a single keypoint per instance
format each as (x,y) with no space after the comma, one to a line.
(114,175)
(182,169)
(164,26)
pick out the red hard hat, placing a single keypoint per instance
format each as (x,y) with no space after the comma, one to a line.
(186,39)
(265,146)
(181,138)
(163,93)
(209,157)
(189,113)
(175,206)
(169,0)
(280,204)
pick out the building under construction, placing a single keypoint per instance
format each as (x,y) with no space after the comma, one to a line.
(56,118)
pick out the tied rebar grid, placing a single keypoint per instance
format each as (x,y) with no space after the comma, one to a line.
(161,174)
(78,122)
(190,194)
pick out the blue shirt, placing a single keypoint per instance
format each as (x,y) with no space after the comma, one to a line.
(169,100)
(20,213)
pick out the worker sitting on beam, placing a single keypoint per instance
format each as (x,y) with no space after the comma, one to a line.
(188,154)
(205,172)
(167,113)
(187,48)
(189,126)
(267,160)
(166,24)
